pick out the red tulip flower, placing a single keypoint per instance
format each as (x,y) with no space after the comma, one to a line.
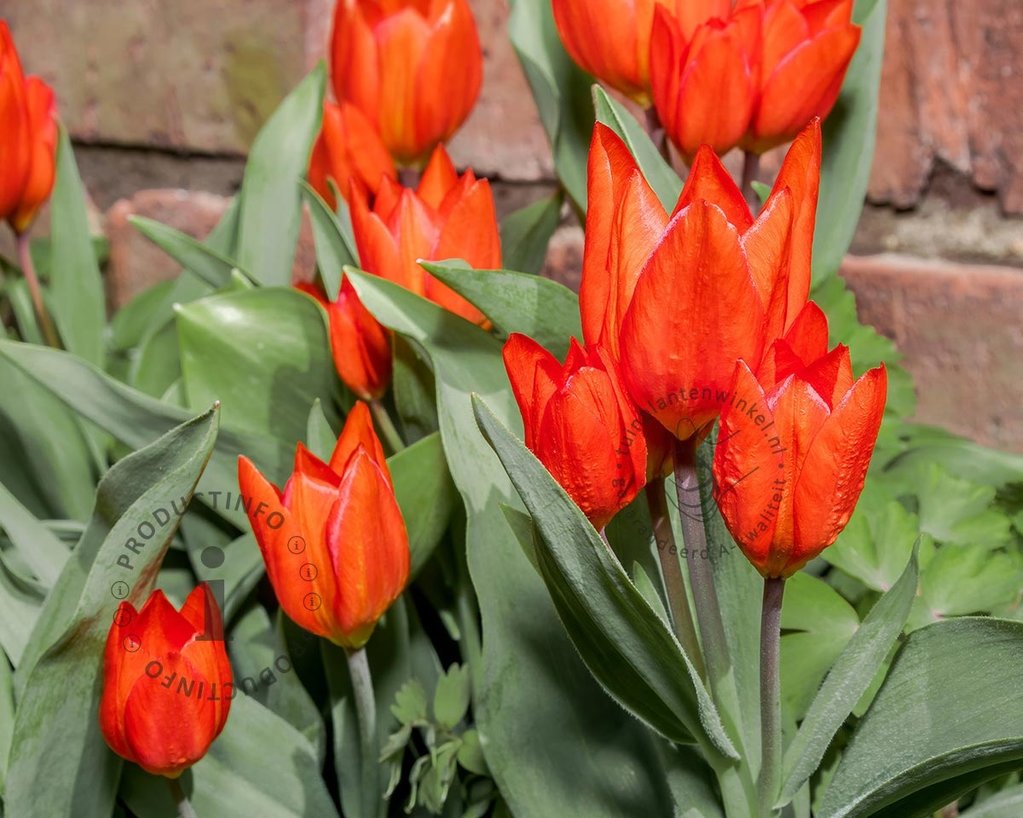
(348,149)
(28,139)
(448,216)
(619,53)
(580,424)
(807,48)
(719,286)
(794,445)
(704,79)
(359,344)
(334,541)
(414,67)
(167,683)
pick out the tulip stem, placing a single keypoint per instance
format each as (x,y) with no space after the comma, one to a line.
(184,806)
(770,695)
(366,713)
(701,572)
(386,426)
(674,582)
(750,171)
(29,271)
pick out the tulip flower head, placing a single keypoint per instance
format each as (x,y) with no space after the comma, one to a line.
(334,541)
(348,149)
(359,344)
(167,682)
(794,446)
(807,48)
(414,67)
(28,139)
(719,286)
(448,216)
(580,424)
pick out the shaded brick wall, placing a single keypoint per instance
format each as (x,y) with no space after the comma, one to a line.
(164,98)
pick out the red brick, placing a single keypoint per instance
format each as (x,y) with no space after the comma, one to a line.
(960,330)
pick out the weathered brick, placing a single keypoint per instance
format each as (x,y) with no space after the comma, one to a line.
(960,330)
(192,75)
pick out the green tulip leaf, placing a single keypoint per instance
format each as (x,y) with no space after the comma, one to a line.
(526,233)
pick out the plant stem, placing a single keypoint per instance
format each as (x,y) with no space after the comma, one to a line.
(184,806)
(36,292)
(698,559)
(386,426)
(770,695)
(658,135)
(366,713)
(750,169)
(674,582)
(409,177)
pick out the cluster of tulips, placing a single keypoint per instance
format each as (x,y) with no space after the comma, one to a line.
(692,318)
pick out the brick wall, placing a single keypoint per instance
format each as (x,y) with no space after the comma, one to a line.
(163,99)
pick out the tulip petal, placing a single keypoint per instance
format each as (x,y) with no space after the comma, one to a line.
(610,52)
(694,313)
(832,475)
(368,543)
(817,68)
(767,245)
(42,126)
(534,375)
(16,145)
(438,178)
(624,221)
(358,431)
(710,180)
(360,346)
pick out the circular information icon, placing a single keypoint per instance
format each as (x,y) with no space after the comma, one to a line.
(312,601)
(308,572)
(122,617)
(132,643)
(119,589)
(296,545)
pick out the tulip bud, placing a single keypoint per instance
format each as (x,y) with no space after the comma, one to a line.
(414,67)
(360,345)
(794,445)
(334,541)
(347,150)
(447,216)
(808,45)
(28,139)
(580,424)
(167,683)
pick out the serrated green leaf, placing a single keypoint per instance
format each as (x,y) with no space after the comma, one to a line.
(962,580)
(451,698)
(410,707)
(958,511)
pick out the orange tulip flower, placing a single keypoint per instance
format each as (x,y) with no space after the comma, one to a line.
(580,424)
(795,443)
(360,345)
(719,286)
(448,216)
(807,48)
(348,149)
(704,80)
(167,683)
(619,54)
(334,541)
(28,139)
(414,67)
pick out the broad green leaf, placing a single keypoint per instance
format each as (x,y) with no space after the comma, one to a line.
(21,601)
(413,387)
(40,549)
(133,321)
(816,624)
(335,248)
(76,287)
(526,233)
(847,680)
(6,715)
(259,766)
(948,717)
(319,437)
(546,311)
(425,494)
(561,91)
(658,173)
(59,763)
(270,202)
(208,264)
(623,641)
(20,300)
(263,353)
(849,140)
(136,419)
(157,362)
(1006,804)
(554,741)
